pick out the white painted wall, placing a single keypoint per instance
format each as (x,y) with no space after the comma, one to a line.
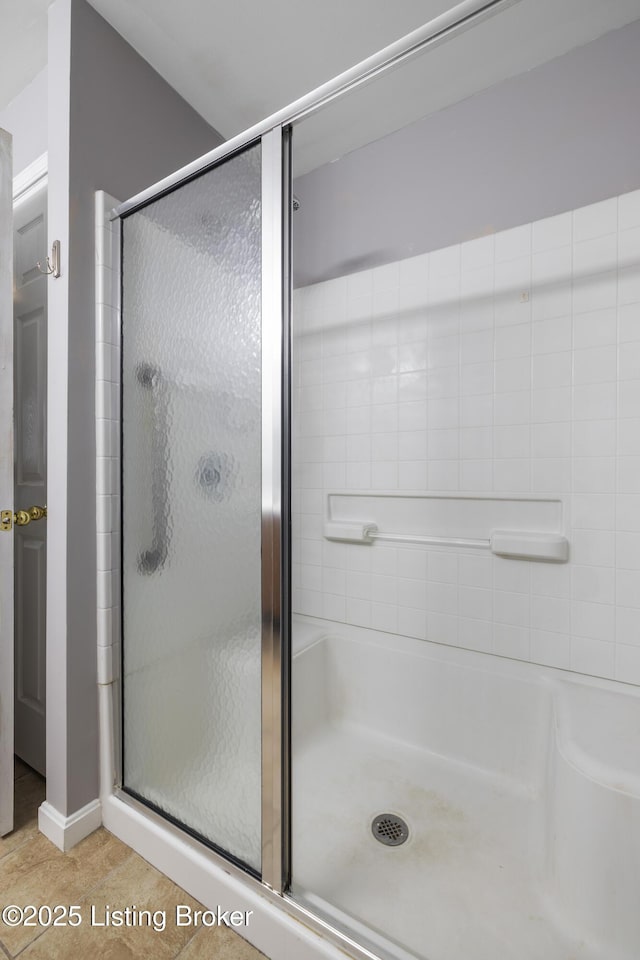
(25,117)
(548,140)
(57,369)
(114,124)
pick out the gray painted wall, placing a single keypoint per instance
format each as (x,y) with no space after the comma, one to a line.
(558,137)
(127,129)
(25,117)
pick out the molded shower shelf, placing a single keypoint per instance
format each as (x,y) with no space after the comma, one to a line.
(517,527)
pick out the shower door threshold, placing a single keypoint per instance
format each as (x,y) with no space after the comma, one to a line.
(277,925)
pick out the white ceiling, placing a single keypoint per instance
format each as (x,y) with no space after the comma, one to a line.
(23,44)
(238,61)
(235,61)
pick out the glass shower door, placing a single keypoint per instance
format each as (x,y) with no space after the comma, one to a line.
(191,495)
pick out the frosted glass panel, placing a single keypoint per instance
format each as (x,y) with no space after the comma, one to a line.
(191,504)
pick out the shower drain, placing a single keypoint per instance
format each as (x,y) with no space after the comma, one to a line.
(390,829)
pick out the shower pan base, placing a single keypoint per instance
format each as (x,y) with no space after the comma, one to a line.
(469,753)
(460,887)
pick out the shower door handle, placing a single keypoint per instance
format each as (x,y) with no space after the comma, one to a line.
(150,378)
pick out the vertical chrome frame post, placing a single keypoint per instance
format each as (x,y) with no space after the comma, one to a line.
(273,439)
(117,707)
(285,417)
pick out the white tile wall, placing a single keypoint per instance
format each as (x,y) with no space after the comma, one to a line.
(511,364)
(107,443)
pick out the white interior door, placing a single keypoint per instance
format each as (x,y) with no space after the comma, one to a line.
(30,399)
(6,485)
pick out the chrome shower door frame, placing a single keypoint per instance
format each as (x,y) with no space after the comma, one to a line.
(276,612)
(274,513)
(274,134)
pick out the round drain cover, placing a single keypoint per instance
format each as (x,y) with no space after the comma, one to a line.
(389,829)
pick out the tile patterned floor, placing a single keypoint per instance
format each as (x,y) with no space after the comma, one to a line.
(100,870)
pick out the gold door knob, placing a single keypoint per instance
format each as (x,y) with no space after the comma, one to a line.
(21,517)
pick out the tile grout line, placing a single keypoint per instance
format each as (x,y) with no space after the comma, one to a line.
(87,893)
(25,839)
(83,899)
(113,870)
(182,949)
(45,930)
(18,846)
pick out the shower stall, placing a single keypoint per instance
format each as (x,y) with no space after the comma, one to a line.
(374,491)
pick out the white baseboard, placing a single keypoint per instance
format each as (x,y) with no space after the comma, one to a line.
(65,832)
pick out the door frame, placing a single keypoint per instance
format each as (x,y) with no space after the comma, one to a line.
(275,524)
(7,678)
(24,184)
(27,183)
(33,178)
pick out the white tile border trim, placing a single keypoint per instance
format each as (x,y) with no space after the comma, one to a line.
(107,443)
(107,489)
